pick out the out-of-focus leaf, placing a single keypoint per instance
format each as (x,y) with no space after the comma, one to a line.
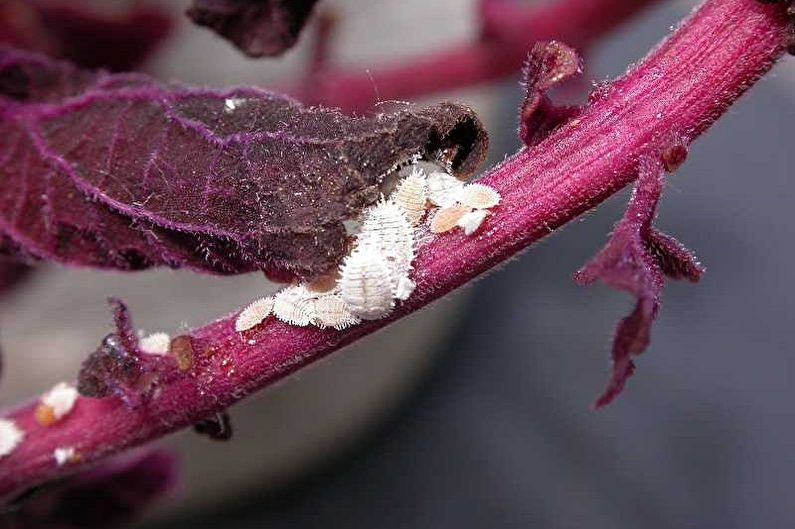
(110,495)
(87,37)
(94,40)
(257,27)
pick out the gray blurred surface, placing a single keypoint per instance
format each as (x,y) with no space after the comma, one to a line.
(502,434)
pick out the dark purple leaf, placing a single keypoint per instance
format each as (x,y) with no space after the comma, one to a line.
(635,260)
(257,27)
(675,260)
(119,171)
(110,495)
(548,64)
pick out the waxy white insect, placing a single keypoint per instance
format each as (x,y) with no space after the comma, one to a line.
(377,272)
(293,305)
(254,314)
(10,436)
(467,211)
(479,196)
(56,403)
(155,344)
(412,195)
(232,103)
(471,221)
(64,455)
(366,283)
(444,189)
(331,311)
(387,231)
(404,288)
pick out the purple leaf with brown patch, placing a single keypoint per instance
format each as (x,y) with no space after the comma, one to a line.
(120,171)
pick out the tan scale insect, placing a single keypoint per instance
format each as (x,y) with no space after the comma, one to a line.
(412,196)
(254,314)
(447,218)
(366,284)
(181,348)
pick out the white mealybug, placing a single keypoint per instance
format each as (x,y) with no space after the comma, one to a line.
(376,273)
(293,305)
(412,195)
(366,283)
(471,221)
(155,344)
(479,196)
(64,455)
(232,103)
(386,230)
(332,311)
(56,404)
(404,288)
(254,314)
(444,189)
(10,436)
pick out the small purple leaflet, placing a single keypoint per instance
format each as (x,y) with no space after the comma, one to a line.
(636,259)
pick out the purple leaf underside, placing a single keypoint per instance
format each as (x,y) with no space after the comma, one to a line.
(120,171)
(257,27)
(549,64)
(635,259)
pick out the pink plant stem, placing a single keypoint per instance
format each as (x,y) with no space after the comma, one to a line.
(509,30)
(677,91)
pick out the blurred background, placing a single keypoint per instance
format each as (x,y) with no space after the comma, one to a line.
(476,412)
